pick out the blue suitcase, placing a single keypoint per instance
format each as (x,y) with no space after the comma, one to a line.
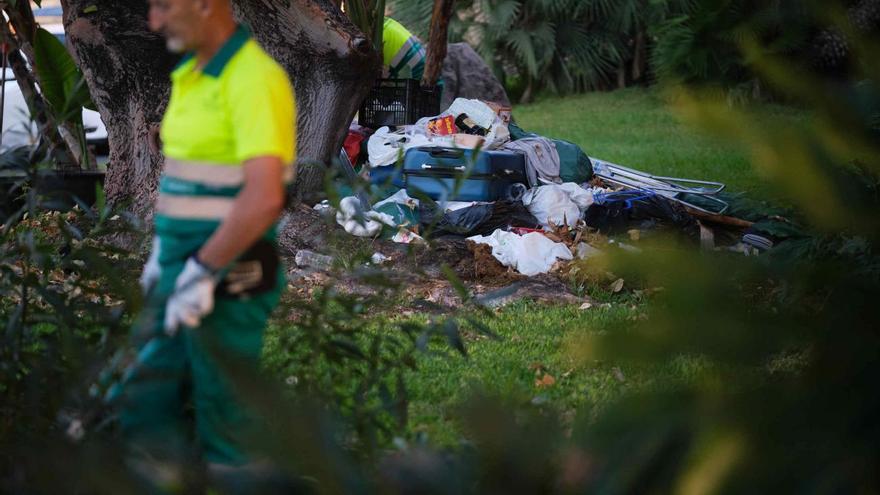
(462,175)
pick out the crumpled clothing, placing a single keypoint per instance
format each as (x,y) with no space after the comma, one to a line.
(559,204)
(498,135)
(529,254)
(542,159)
(352,217)
(574,165)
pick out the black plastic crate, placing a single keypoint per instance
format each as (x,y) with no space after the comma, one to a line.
(395,102)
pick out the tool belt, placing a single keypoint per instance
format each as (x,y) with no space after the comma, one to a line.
(254,272)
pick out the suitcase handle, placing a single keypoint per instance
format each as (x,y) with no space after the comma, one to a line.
(460,168)
(444,152)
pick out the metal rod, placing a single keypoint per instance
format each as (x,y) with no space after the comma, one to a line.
(350,174)
(664,186)
(3,90)
(660,182)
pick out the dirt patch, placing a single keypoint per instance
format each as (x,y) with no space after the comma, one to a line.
(416,270)
(546,288)
(420,293)
(485,265)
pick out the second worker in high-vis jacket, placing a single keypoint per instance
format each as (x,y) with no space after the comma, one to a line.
(403,54)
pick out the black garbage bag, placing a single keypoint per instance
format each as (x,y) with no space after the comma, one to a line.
(616,213)
(480,219)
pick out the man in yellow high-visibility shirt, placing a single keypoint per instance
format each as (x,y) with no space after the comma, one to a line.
(403,54)
(214,275)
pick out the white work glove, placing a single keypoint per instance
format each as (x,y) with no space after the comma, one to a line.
(152,270)
(193,296)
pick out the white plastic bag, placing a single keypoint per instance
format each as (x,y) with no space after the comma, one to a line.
(386,147)
(400,197)
(352,217)
(479,112)
(528,254)
(560,204)
(583,198)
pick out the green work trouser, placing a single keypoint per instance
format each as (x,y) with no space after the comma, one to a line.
(172,372)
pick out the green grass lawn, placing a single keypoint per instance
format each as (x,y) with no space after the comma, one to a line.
(637,129)
(531,344)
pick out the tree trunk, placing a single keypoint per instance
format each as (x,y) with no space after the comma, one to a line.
(640,55)
(127,68)
(528,94)
(437,44)
(332,65)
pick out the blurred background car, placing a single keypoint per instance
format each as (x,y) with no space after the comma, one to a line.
(18,128)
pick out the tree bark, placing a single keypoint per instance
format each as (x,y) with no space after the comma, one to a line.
(437,43)
(528,94)
(640,56)
(127,69)
(332,65)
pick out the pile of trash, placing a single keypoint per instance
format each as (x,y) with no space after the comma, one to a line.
(472,173)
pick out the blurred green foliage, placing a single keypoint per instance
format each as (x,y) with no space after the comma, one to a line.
(781,349)
(577,45)
(560,45)
(368,16)
(63,305)
(787,403)
(346,351)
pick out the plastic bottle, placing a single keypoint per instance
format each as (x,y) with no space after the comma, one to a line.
(305,258)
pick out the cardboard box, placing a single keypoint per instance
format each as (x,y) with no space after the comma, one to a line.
(503,111)
(467,141)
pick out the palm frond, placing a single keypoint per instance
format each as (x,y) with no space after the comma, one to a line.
(520,42)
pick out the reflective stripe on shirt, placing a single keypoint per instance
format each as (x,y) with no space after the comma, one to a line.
(219,175)
(213,174)
(201,191)
(194,207)
(403,52)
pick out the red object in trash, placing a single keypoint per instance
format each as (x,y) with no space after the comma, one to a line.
(352,145)
(443,126)
(525,230)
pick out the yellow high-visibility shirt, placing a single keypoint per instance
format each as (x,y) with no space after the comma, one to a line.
(402,53)
(239,106)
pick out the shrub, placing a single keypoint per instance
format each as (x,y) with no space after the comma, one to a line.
(63,305)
